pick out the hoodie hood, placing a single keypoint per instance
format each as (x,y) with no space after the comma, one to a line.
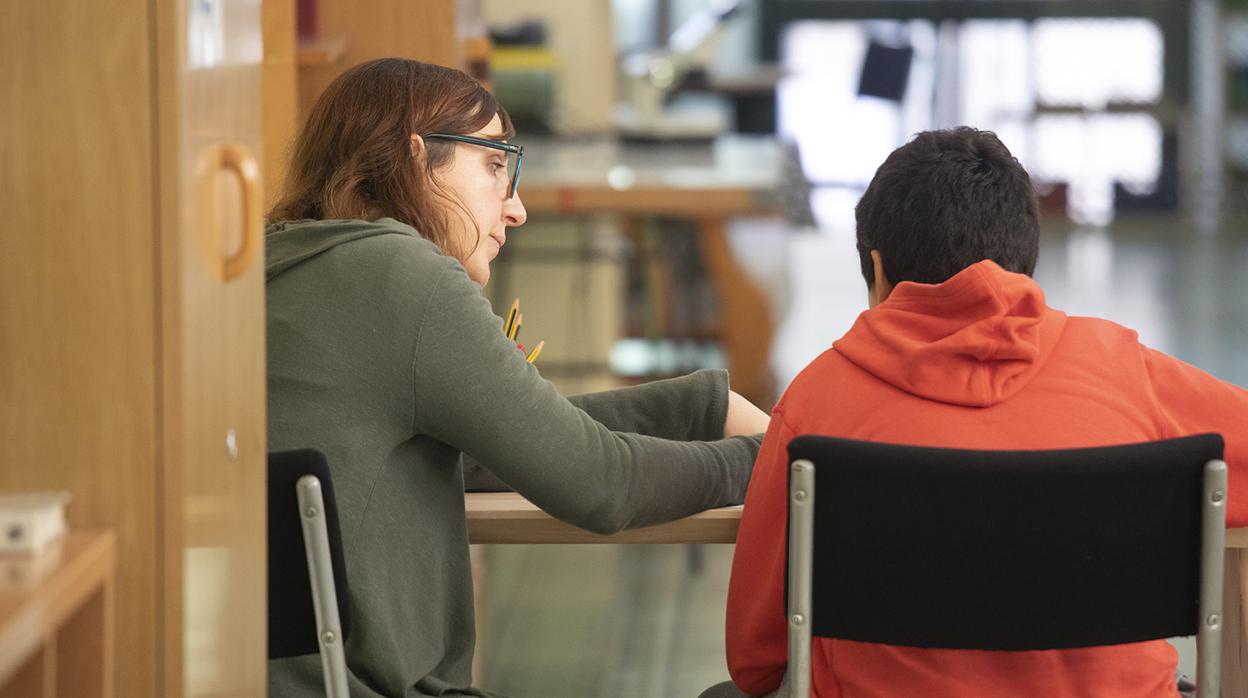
(290,243)
(974,340)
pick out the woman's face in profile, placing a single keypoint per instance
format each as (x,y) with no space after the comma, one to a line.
(479,177)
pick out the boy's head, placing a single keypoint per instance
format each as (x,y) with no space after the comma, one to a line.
(942,202)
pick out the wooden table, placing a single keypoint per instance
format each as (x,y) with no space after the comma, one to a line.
(506,517)
(1236,538)
(707,184)
(56,619)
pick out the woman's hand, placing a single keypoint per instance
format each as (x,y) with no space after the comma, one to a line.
(744,419)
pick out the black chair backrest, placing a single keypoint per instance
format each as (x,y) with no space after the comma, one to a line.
(292,619)
(1006,550)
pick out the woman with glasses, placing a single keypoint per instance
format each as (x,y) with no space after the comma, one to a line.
(384,354)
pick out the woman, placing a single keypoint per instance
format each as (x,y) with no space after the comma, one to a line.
(384,354)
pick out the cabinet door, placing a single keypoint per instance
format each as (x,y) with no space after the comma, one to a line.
(78,344)
(212,347)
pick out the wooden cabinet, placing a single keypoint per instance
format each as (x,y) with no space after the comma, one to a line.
(280,92)
(296,73)
(131,315)
(56,619)
(423,30)
(132,360)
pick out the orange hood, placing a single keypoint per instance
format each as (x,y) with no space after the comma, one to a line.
(975,340)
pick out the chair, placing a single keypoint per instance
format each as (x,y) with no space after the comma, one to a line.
(1005,550)
(306,567)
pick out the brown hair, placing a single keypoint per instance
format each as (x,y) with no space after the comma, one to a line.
(353,158)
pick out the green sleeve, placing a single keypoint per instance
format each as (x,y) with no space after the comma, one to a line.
(474,391)
(688,408)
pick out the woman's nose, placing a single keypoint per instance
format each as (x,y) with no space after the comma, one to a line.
(513,211)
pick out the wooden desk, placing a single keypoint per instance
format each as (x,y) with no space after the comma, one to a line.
(1236,538)
(506,517)
(56,619)
(735,176)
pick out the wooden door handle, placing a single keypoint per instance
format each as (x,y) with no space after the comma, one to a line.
(236,158)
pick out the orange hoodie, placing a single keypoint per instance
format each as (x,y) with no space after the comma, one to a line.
(976,362)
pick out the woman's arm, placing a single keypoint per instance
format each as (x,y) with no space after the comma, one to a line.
(695,407)
(474,391)
(688,408)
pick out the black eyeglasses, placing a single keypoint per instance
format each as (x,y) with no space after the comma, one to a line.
(513,149)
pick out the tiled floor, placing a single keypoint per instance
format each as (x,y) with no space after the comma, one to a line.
(647,621)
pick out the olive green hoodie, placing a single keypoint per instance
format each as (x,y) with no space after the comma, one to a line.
(384,355)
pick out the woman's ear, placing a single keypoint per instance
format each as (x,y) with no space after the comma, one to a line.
(418,145)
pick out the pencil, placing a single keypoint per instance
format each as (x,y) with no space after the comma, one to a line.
(536,350)
(511,317)
(515,329)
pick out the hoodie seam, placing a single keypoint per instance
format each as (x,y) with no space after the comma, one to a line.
(420,333)
(994,294)
(982,371)
(902,301)
(779,412)
(420,329)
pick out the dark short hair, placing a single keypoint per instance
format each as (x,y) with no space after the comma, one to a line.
(944,201)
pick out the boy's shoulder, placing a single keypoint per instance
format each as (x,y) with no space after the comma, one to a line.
(827,372)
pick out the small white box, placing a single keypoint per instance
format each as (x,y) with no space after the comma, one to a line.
(29,521)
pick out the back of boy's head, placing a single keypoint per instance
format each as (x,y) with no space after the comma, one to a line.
(944,201)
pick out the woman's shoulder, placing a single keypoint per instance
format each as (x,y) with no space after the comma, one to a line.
(369,244)
(331,232)
(395,237)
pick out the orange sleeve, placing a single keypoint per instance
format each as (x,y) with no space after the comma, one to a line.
(1195,402)
(757,632)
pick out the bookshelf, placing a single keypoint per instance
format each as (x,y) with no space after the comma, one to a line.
(56,619)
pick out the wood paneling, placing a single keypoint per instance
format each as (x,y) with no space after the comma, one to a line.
(32,680)
(212,359)
(77,286)
(423,30)
(280,92)
(126,356)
